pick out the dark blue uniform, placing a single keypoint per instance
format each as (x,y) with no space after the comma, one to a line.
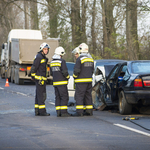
(59,71)
(83,71)
(38,72)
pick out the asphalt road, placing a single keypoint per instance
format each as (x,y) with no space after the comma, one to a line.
(21,130)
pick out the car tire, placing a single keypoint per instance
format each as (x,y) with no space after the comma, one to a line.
(124,107)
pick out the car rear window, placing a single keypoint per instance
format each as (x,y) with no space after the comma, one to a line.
(141,67)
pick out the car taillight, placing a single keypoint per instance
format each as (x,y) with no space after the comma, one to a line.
(22,69)
(138,83)
(146,83)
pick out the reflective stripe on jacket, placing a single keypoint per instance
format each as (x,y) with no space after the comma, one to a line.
(38,69)
(59,71)
(83,69)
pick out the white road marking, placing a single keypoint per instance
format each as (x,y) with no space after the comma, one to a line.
(22,94)
(52,103)
(131,129)
(1,88)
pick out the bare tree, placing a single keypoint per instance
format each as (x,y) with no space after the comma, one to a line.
(34,15)
(93,34)
(75,22)
(131,30)
(53,17)
(109,30)
(26,12)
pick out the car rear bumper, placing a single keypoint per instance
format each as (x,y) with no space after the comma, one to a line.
(134,97)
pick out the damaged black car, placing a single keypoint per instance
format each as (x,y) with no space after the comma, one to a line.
(126,86)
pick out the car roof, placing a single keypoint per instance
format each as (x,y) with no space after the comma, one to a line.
(102,62)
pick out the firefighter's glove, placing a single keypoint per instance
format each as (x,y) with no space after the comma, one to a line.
(41,82)
(68,77)
(74,76)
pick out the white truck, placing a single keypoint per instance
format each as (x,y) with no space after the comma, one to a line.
(19,52)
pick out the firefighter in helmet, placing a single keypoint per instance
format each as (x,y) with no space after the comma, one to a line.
(76,52)
(83,71)
(59,71)
(38,73)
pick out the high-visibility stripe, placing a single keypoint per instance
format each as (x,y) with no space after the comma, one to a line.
(36,106)
(84,107)
(82,58)
(43,61)
(60,83)
(41,106)
(89,106)
(75,76)
(32,74)
(58,107)
(68,77)
(79,106)
(86,60)
(40,77)
(83,80)
(55,64)
(56,61)
(63,107)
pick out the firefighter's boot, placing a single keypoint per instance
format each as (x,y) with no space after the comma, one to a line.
(36,112)
(66,115)
(44,114)
(58,113)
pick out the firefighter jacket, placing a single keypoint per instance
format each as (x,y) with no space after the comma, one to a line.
(83,69)
(59,71)
(39,67)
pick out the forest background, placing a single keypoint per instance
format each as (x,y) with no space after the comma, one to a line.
(113,29)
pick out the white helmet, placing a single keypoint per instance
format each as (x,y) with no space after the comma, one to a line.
(76,50)
(83,48)
(60,51)
(44,45)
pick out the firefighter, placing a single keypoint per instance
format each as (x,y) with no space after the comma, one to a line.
(76,52)
(83,71)
(60,75)
(38,73)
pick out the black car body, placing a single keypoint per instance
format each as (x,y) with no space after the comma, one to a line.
(102,68)
(127,84)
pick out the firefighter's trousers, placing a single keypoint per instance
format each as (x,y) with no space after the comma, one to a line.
(83,98)
(40,97)
(61,98)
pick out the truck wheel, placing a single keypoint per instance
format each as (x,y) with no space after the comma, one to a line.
(17,80)
(12,75)
(124,107)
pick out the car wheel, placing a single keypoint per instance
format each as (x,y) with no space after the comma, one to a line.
(124,107)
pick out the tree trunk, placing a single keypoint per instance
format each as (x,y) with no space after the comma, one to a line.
(93,34)
(53,18)
(83,24)
(26,11)
(109,31)
(34,15)
(75,22)
(131,30)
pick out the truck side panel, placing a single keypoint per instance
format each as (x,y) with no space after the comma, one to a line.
(24,50)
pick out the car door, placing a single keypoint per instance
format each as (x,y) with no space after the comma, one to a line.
(111,84)
(114,79)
